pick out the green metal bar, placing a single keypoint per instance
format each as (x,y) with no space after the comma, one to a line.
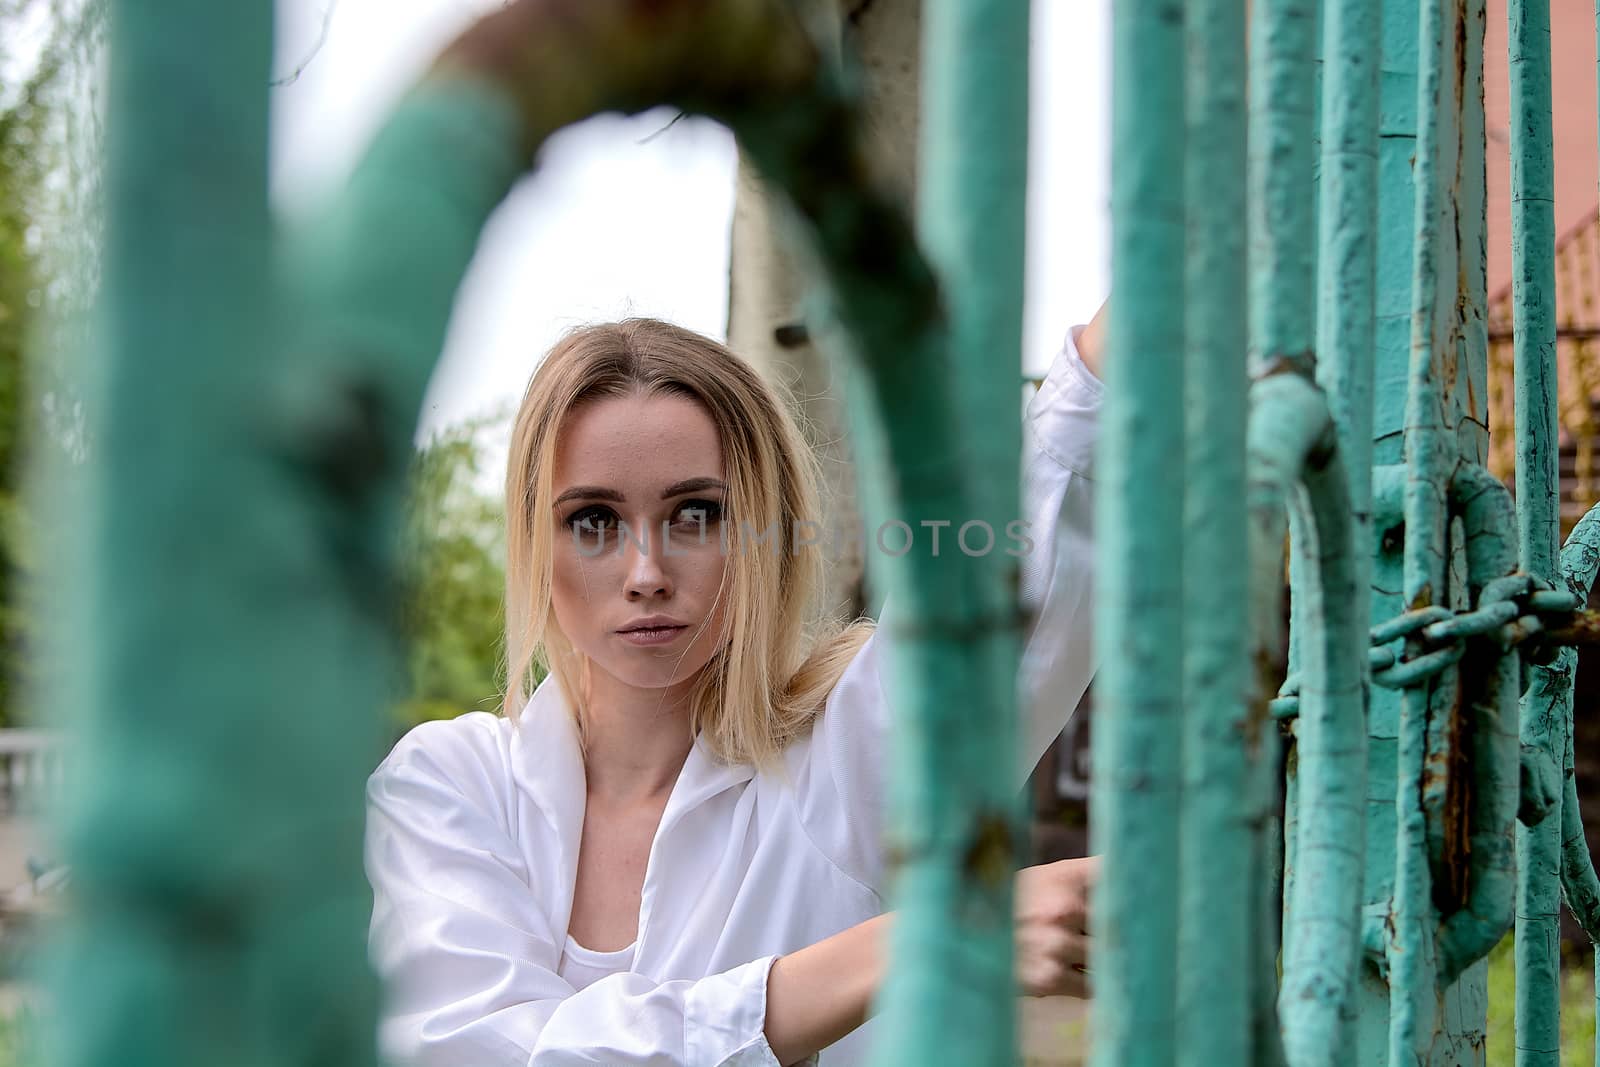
(1474,799)
(1397,130)
(1266,898)
(1322,927)
(1282,117)
(1491,680)
(202,887)
(1411,959)
(953,776)
(1538,952)
(1217,921)
(1539,877)
(1580,563)
(1443,346)
(1372,1014)
(1490,795)
(1293,441)
(1268,535)
(1533,278)
(1579,883)
(1471,388)
(1397,147)
(1347,250)
(1139,587)
(1322,924)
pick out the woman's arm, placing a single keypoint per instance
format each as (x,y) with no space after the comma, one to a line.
(1091,340)
(1057,585)
(839,775)
(821,993)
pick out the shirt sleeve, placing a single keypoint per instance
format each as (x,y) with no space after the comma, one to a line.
(842,789)
(1058,575)
(469,957)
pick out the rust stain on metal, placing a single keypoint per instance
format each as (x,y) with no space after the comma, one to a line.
(991,856)
(1271,669)
(1452,886)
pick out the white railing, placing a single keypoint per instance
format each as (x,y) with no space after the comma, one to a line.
(32,769)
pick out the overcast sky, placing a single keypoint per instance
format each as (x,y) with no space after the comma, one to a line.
(618,222)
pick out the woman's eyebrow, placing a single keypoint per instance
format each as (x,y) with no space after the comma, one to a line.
(600,492)
(589,492)
(692,485)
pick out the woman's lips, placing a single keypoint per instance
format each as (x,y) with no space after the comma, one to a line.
(657,635)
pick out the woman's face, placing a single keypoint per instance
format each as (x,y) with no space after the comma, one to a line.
(638,558)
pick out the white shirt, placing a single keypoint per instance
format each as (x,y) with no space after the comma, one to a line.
(474,825)
(581,967)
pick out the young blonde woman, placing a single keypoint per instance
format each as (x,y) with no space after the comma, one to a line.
(670,851)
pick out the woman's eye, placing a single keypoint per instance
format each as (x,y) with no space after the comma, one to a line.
(592,522)
(698,512)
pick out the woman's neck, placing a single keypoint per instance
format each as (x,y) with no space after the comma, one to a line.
(635,740)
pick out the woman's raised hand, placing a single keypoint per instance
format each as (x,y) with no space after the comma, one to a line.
(1052,928)
(1092,342)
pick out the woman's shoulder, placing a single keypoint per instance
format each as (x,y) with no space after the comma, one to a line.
(487,761)
(858,681)
(837,665)
(850,703)
(443,822)
(458,751)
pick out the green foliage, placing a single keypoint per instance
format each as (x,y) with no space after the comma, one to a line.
(20,297)
(49,186)
(17,284)
(454,552)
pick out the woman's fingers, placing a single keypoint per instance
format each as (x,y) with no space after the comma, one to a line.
(1055,963)
(1089,877)
(1074,977)
(1075,983)
(1053,918)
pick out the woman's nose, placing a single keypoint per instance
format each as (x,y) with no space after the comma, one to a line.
(646,576)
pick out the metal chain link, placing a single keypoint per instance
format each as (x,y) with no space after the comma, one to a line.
(1414,646)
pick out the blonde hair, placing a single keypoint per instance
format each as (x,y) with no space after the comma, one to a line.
(782,655)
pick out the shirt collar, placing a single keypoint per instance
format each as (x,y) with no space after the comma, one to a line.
(703,777)
(552,762)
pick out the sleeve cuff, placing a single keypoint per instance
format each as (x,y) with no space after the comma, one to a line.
(725,1018)
(1064,414)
